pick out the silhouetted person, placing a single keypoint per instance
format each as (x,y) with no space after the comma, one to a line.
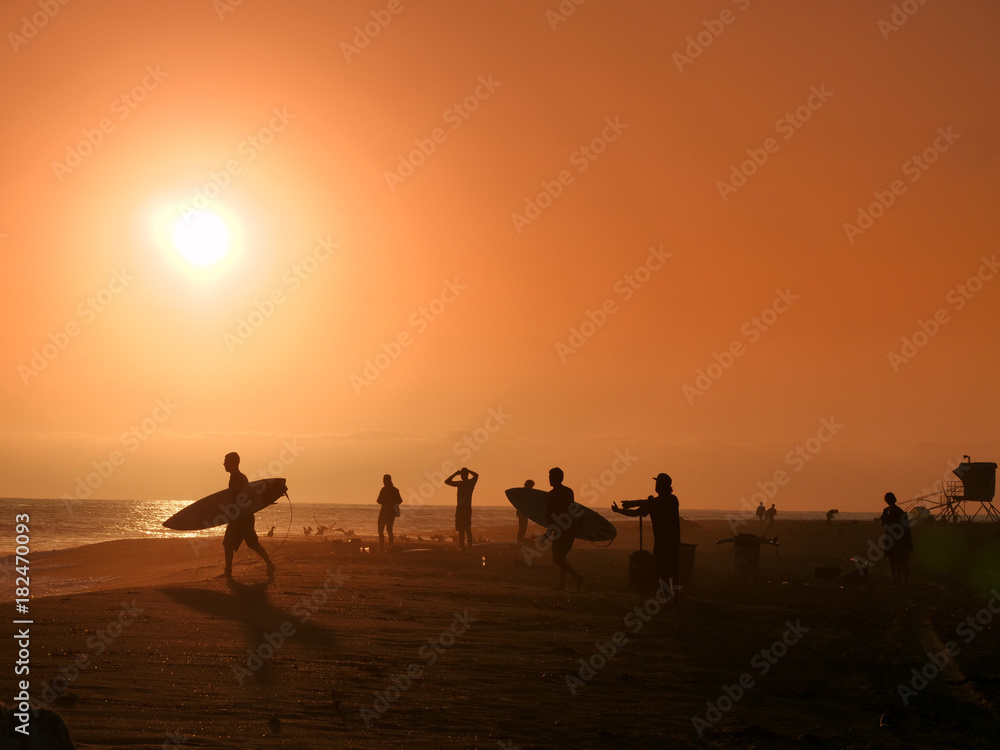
(760,511)
(241,529)
(389,500)
(663,512)
(557,502)
(270,531)
(830,514)
(48,731)
(769,515)
(463,510)
(897,539)
(522,520)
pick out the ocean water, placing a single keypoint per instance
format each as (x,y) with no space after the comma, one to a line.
(56,524)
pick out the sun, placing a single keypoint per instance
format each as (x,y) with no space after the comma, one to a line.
(201,237)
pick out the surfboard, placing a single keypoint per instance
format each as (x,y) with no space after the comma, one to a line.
(219,508)
(588,524)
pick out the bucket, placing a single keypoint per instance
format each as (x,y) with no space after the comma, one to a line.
(747,563)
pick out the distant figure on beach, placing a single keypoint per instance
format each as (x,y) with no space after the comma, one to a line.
(557,503)
(463,510)
(663,511)
(522,520)
(270,531)
(830,514)
(769,515)
(388,500)
(897,539)
(760,511)
(240,529)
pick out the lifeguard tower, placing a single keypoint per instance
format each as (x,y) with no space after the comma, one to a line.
(969,499)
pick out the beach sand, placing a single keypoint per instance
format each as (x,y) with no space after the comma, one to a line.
(145,647)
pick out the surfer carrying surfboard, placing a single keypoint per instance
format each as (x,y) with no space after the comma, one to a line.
(557,502)
(463,511)
(663,512)
(240,529)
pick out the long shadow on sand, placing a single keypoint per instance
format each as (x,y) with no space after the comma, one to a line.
(249,605)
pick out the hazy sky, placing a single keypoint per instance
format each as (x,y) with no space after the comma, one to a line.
(617,237)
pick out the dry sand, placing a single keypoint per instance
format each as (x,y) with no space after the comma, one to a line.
(165,643)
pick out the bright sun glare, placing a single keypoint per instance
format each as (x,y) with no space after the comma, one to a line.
(202,238)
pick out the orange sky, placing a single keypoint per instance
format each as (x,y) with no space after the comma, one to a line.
(835,101)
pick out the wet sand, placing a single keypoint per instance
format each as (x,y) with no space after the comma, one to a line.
(442,649)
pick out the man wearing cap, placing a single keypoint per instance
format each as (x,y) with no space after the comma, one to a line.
(662,510)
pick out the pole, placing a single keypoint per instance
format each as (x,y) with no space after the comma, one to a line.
(640,561)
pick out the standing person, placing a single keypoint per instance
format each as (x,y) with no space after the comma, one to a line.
(760,511)
(663,512)
(522,520)
(769,515)
(897,539)
(557,502)
(388,500)
(463,510)
(240,529)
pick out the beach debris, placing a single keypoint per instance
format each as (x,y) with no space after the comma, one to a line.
(275,724)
